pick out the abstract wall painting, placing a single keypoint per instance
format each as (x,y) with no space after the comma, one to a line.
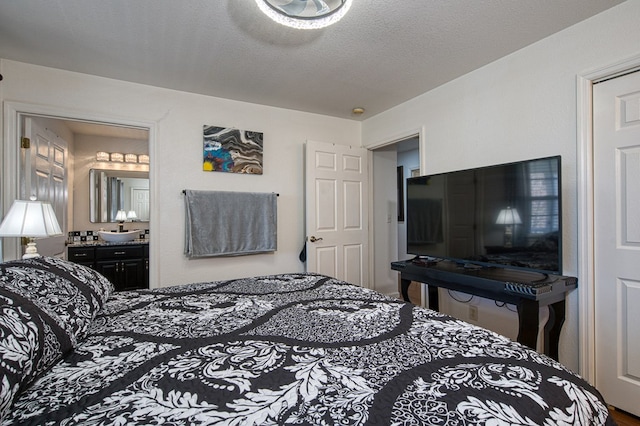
(231,150)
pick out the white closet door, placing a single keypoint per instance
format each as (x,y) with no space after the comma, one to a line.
(617,240)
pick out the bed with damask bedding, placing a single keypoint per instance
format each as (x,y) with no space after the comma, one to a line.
(285,349)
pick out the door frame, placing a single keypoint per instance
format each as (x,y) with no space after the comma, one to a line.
(10,158)
(586,224)
(418,132)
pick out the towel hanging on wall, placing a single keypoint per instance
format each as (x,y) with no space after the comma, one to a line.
(227,223)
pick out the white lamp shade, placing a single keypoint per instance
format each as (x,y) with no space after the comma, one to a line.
(508,216)
(30,219)
(121,216)
(132,215)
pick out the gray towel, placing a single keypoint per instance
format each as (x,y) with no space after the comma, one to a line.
(223,223)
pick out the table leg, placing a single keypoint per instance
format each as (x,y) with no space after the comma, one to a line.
(434,304)
(553,327)
(404,288)
(528,319)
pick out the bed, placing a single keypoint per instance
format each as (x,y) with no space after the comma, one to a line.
(285,349)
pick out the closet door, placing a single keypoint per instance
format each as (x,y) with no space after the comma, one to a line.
(617,240)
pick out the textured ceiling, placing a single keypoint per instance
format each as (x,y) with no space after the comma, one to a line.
(381,54)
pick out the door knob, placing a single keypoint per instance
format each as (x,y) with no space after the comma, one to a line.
(314,239)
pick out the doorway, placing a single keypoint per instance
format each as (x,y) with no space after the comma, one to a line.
(16,112)
(392,163)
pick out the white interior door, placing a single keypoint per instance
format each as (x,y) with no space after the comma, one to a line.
(336,198)
(43,174)
(140,202)
(617,240)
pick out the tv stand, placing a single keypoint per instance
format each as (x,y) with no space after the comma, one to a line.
(527,290)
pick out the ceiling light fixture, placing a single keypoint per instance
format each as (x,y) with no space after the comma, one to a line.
(305,14)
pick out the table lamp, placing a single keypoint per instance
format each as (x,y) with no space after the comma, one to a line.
(32,219)
(121,216)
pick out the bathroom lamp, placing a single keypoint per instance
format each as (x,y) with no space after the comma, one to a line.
(121,216)
(32,219)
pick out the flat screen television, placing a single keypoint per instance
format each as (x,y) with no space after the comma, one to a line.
(506,215)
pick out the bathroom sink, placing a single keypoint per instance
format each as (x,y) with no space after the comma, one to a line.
(119,237)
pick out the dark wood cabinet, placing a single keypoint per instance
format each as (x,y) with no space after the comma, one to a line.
(126,266)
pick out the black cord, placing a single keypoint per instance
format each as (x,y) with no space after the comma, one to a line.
(458,300)
(504,305)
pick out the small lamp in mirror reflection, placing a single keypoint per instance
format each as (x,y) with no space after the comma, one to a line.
(508,217)
(132,216)
(121,216)
(32,219)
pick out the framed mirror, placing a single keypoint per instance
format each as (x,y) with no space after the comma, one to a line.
(112,191)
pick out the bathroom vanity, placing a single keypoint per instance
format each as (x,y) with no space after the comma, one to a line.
(125,265)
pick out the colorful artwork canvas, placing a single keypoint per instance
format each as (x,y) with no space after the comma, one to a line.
(231,150)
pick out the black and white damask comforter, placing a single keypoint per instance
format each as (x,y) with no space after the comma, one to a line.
(292,349)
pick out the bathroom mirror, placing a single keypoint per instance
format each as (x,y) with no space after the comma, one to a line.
(113,190)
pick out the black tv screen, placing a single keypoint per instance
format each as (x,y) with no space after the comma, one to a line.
(506,215)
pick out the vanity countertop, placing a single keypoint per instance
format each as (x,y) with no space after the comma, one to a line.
(106,243)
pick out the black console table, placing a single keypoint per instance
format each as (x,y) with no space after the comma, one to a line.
(527,290)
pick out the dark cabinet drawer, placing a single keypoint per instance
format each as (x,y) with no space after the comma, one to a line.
(119,252)
(81,254)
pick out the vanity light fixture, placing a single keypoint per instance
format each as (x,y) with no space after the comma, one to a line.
(117,156)
(102,156)
(130,158)
(122,158)
(305,14)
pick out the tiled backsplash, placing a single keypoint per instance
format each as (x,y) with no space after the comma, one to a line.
(83,236)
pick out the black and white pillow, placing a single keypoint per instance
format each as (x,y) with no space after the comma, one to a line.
(46,307)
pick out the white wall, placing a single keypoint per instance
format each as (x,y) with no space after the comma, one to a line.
(385,220)
(176,160)
(521,106)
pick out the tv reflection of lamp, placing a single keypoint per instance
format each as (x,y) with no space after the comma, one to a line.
(32,219)
(508,217)
(121,216)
